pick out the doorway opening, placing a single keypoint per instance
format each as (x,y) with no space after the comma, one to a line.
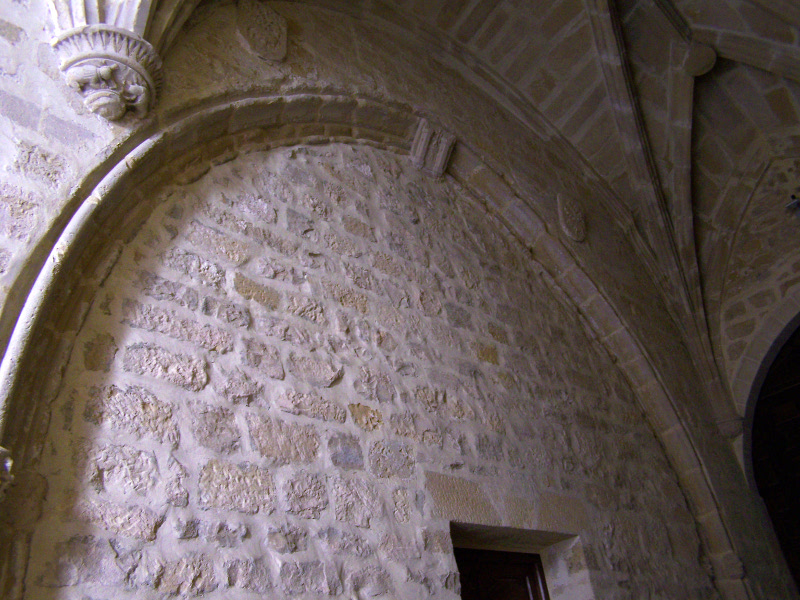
(492,574)
(775,444)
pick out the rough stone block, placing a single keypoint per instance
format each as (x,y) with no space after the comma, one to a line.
(130,521)
(118,468)
(181,370)
(306,495)
(134,410)
(166,322)
(244,488)
(374,385)
(311,405)
(345,451)
(224,535)
(249,574)
(217,244)
(198,268)
(265,358)
(192,575)
(349,543)
(355,501)
(159,288)
(237,387)
(215,428)
(287,540)
(367,418)
(281,442)
(266,296)
(391,459)
(315,371)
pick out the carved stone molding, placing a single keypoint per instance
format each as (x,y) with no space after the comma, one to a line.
(431,149)
(572,218)
(5,472)
(114,70)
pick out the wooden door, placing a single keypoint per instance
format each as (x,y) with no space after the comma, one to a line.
(492,575)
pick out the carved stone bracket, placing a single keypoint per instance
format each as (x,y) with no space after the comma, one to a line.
(5,472)
(572,218)
(113,69)
(431,149)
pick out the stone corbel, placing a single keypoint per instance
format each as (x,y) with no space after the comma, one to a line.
(115,70)
(431,149)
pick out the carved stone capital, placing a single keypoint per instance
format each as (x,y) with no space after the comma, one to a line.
(114,70)
(5,472)
(431,149)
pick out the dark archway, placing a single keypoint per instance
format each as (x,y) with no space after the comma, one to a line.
(776,448)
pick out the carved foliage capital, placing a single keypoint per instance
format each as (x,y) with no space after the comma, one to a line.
(114,70)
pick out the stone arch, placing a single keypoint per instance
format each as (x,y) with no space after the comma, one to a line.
(754,366)
(60,296)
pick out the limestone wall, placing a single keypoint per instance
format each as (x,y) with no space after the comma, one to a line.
(293,359)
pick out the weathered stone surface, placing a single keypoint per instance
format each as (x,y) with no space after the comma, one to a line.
(400,549)
(306,308)
(436,541)
(345,451)
(192,575)
(309,577)
(265,358)
(198,268)
(370,582)
(391,459)
(402,505)
(249,574)
(217,244)
(85,559)
(282,442)
(267,297)
(225,535)
(226,311)
(237,387)
(349,543)
(134,410)
(317,372)
(311,405)
(367,418)
(122,469)
(154,319)
(244,488)
(287,540)
(348,298)
(374,385)
(306,495)
(177,494)
(99,352)
(215,428)
(159,288)
(181,370)
(130,520)
(355,501)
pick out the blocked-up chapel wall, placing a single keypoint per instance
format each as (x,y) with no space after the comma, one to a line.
(290,361)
